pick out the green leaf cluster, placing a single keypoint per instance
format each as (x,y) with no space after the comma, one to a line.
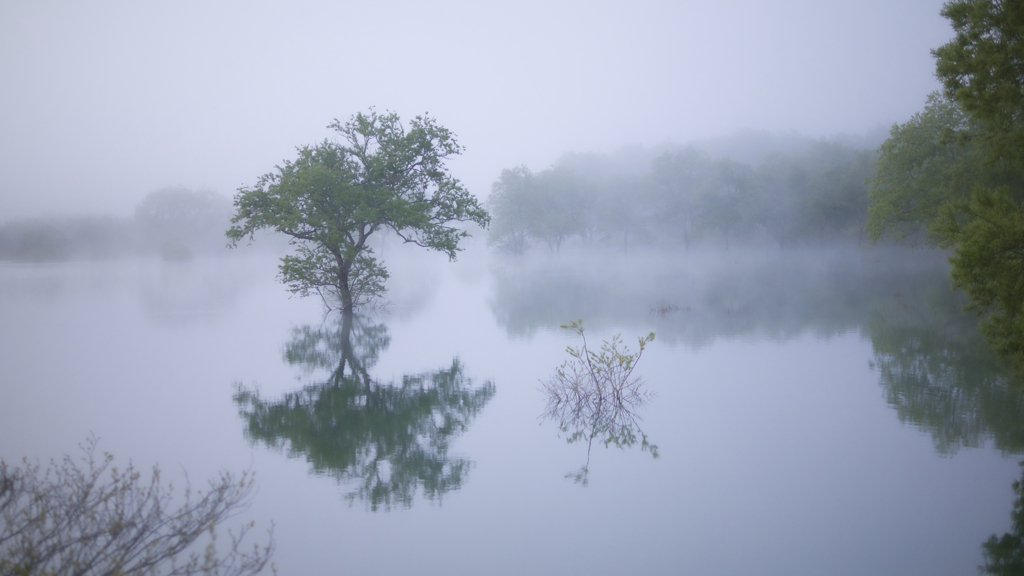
(988,265)
(926,164)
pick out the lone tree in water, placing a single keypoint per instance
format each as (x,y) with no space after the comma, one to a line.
(335,195)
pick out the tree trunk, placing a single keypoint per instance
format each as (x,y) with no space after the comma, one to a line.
(347,303)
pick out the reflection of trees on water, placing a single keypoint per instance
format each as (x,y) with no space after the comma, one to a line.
(595,396)
(940,374)
(936,370)
(708,295)
(390,439)
(1004,555)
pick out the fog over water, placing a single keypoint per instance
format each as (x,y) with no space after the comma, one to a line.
(807,403)
(815,409)
(104,102)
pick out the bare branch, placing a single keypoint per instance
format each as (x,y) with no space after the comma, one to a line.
(85,516)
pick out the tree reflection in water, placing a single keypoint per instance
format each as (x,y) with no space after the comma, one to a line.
(1005,555)
(940,374)
(389,439)
(594,395)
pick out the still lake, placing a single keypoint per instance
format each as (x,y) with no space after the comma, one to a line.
(815,410)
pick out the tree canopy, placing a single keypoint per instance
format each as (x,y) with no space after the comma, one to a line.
(683,197)
(982,68)
(957,169)
(927,165)
(334,196)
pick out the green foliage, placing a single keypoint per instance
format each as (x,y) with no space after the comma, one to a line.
(390,440)
(678,181)
(683,197)
(837,202)
(958,168)
(982,69)
(726,203)
(548,207)
(334,196)
(512,203)
(926,166)
(85,517)
(562,207)
(988,265)
(622,210)
(594,395)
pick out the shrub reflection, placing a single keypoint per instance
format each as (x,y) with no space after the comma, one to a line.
(595,395)
(388,439)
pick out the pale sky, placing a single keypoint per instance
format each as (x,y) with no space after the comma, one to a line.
(104,102)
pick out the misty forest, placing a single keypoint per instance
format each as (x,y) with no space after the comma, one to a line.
(608,308)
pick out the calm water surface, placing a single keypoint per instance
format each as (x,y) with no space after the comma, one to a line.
(814,411)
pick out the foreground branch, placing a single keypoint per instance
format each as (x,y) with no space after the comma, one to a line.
(87,517)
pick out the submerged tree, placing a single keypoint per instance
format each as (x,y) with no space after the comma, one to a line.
(594,395)
(84,516)
(389,439)
(334,196)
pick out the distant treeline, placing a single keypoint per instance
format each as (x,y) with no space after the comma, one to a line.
(685,196)
(173,222)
